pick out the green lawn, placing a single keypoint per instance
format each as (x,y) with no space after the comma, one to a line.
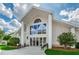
(61,52)
(3,47)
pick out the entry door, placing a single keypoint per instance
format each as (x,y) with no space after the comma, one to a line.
(30,41)
(34,42)
(37,41)
(40,41)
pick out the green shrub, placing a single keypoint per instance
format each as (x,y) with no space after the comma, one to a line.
(6,37)
(1,34)
(13,41)
(77,45)
(67,39)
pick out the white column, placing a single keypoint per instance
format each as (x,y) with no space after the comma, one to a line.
(22,35)
(50,31)
(73,31)
(39,41)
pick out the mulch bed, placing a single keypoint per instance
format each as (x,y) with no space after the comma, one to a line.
(61,48)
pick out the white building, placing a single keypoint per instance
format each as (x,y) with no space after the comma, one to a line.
(40,27)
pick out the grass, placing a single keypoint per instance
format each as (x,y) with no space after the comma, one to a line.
(3,47)
(61,52)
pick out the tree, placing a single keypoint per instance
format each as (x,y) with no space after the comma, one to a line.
(13,41)
(67,39)
(1,34)
(6,37)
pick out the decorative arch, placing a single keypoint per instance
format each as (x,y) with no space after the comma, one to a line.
(37,20)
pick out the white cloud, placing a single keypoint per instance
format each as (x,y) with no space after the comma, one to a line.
(11,28)
(24,6)
(63,13)
(36,5)
(21,9)
(16,22)
(73,15)
(20,6)
(9,13)
(1,27)
(2,22)
(1,5)
(16,4)
(9,31)
(5,11)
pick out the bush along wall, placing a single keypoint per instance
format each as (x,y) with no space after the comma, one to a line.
(13,41)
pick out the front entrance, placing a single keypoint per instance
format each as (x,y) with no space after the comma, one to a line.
(38,33)
(37,41)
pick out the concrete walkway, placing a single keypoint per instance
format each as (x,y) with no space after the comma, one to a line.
(24,51)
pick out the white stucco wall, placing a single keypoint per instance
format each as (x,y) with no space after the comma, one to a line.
(31,17)
(58,28)
(35,14)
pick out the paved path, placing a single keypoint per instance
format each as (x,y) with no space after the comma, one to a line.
(24,51)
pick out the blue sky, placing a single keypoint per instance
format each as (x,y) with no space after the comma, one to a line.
(57,7)
(54,7)
(5,18)
(7,5)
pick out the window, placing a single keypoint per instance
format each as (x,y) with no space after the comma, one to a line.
(34,41)
(41,41)
(44,40)
(30,41)
(27,37)
(38,27)
(37,21)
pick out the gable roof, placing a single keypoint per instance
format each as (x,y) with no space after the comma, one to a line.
(54,18)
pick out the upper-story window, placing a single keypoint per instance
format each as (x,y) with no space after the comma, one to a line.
(38,27)
(37,21)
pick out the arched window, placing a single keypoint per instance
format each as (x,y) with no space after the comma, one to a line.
(38,27)
(37,21)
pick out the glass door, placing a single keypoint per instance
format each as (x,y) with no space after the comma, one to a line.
(30,41)
(34,41)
